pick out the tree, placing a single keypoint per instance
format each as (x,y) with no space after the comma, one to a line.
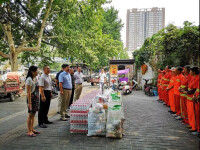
(123,54)
(78,30)
(81,30)
(170,46)
(19,32)
(112,25)
(44,56)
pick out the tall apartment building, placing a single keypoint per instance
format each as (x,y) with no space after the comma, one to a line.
(142,23)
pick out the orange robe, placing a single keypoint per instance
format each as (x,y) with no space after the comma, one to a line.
(171,94)
(193,84)
(177,84)
(166,80)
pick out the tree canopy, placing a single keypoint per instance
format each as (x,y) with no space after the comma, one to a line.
(76,30)
(170,46)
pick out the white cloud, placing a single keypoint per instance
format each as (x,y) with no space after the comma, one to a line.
(176,11)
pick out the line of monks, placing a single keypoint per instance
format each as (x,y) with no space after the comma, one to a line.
(178,88)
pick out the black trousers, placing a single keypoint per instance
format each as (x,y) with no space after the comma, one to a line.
(72,97)
(44,108)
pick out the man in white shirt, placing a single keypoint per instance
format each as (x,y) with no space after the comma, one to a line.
(78,76)
(45,87)
(102,77)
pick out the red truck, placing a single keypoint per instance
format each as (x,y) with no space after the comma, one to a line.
(11,87)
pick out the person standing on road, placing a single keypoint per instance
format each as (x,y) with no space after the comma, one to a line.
(58,89)
(102,77)
(196,100)
(177,84)
(184,85)
(170,90)
(73,85)
(158,83)
(32,99)
(192,87)
(78,76)
(65,84)
(45,87)
(162,86)
(166,80)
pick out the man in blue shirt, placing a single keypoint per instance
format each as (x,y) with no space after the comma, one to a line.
(65,84)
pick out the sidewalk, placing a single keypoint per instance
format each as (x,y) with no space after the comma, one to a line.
(148,126)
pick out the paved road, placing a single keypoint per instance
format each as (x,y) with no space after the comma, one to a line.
(148,126)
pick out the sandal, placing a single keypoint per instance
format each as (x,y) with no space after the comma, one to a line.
(36,132)
(31,134)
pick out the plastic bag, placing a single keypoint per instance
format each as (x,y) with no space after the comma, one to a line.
(97,108)
(101,98)
(96,122)
(114,126)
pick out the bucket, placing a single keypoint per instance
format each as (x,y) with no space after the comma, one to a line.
(155,93)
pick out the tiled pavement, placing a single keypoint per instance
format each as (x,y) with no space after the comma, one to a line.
(148,126)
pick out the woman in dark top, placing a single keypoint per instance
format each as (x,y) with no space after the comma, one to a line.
(32,99)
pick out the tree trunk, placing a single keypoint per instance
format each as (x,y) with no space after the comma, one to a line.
(90,72)
(14,52)
(14,61)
